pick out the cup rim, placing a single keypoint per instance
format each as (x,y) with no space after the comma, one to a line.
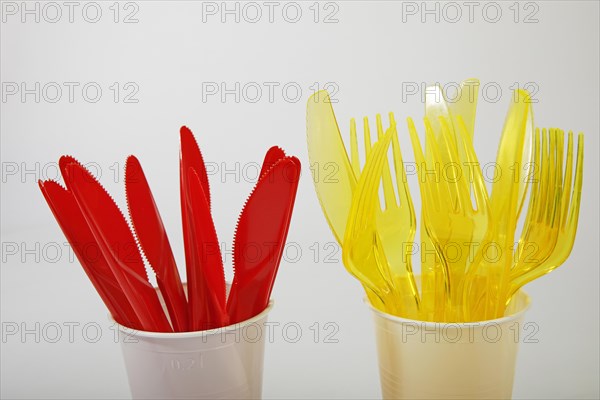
(192,334)
(433,324)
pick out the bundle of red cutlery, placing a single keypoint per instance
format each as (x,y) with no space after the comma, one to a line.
(90,218)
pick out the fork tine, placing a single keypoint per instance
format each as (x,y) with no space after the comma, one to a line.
(568,176)
(388,186)
(534,196)
(379,126)
(367,137)
(544,178)
(534,200)
(560,147)
(424,187)
(457,189)
(370,179)
(548,209)
(480,193)
(576,196)
(401,181)
(354,149)
(537,155)
(553,216)
(560,151)
(436,160)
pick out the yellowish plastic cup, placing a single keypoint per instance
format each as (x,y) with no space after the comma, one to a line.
(430,360)
(223,363)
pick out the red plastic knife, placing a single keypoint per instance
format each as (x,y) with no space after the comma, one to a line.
(153,240)
(117,244)
(207,282)
(191,158)
(260,238)
(273,155)
(84,245)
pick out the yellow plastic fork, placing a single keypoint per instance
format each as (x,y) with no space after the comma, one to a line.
(449,216)
(396,223)
(540,230)
(327,153)
(437,106)
(567,217)
(362,250)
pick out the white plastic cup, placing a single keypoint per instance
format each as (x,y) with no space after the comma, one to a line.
(430,360)
(223,363)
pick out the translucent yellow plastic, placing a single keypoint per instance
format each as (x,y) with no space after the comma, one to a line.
(362,249)
(463,105)
(332,173)
(449,216)
(542,220)
(553,211)
(333,176)
(377,234)
(505,200)
(396,222)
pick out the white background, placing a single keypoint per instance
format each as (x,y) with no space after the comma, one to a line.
(371,54)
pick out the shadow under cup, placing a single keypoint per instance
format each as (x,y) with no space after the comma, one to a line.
(430,360)
(220,363)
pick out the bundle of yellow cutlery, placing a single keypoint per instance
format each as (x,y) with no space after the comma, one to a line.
(478,261)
